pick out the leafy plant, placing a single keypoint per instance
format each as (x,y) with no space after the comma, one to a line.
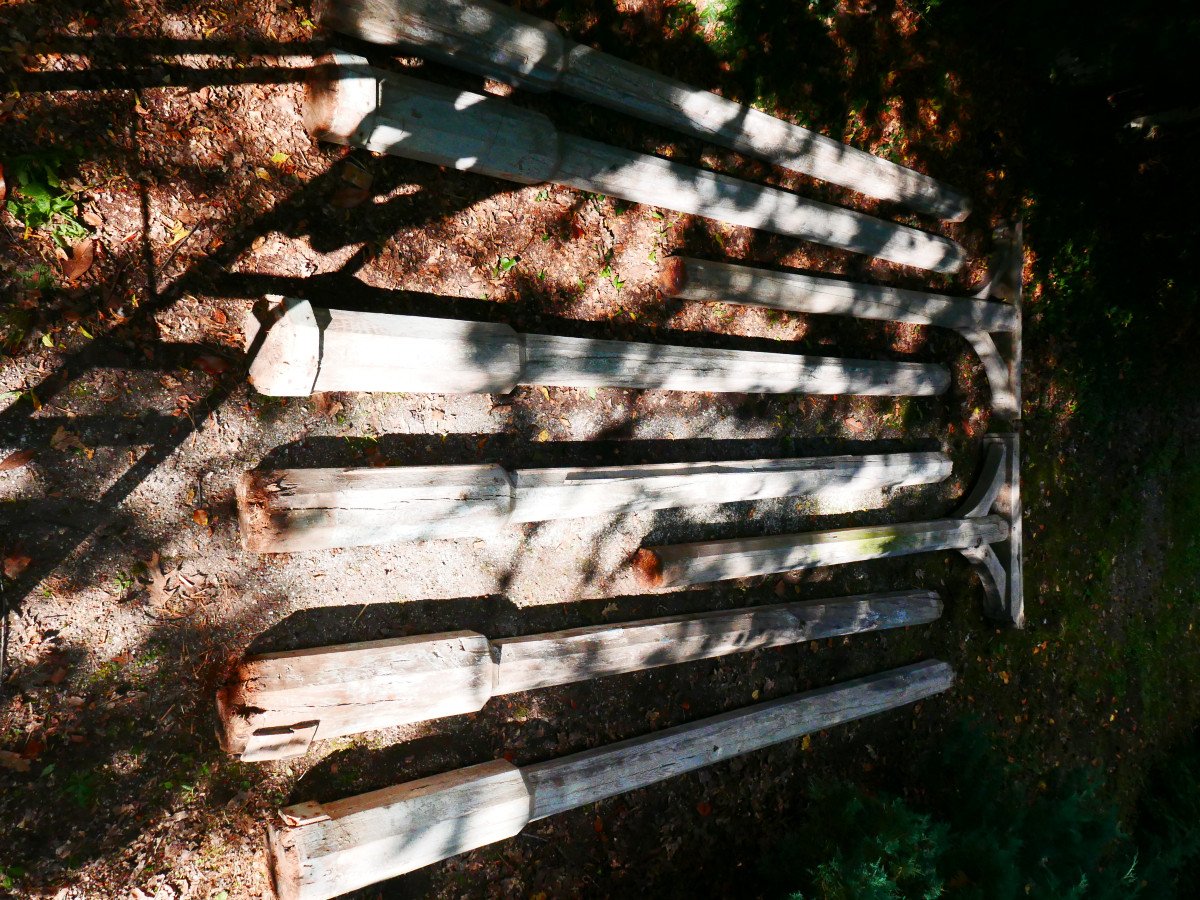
(504,265)
(858,847)
(39,199)
(980,834)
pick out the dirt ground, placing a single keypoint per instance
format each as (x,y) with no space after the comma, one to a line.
(131,598)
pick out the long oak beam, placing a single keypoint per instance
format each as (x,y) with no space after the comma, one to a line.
(275,705)
(501,42)
(292,510)
(320,850)
(348,102)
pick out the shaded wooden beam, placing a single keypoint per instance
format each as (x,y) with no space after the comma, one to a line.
(307,350)
(321,850)
(501,42)
(276,705)
(351,103)
(989,518)
(292,510)
(990,321)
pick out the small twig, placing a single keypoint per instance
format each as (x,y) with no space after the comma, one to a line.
(3,637)
(175,250)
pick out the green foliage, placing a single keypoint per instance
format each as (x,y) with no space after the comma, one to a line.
(39,199)
(980,834)
(858,847)
(1168,825)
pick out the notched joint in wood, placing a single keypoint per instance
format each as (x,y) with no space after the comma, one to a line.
(305,813)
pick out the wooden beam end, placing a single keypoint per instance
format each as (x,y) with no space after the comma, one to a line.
(647,567)
(672,277)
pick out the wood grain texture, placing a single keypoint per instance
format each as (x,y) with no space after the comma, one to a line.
(382,352)
(496,40)
(476,35)
(697,279)
(364,351)
(351,688)
(709,561)
(982,496)
(562,784)
(316,509)
(584,363)
(386,833)
(563,657)
(543,494)
(274,706)
(287,362)
(351,843)
(591,166)
(477,133)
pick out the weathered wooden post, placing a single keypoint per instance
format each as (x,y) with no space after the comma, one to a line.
(275,705)
(501,42)
(309,350)
(316,509)
(351,103)
(994,313)
(989,518)
(321,850)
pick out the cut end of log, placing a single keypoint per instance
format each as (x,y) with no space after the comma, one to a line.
(672,279)
(283,862)
(339,94)
(259,532)
(648,567)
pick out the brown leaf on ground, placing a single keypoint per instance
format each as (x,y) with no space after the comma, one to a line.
(15,564)
(82,256)
(58,675)
(348,196)
(34,747)
(324,404)
(16,460)
(65,440)
(13,761)
(212,364)
(92,219)
(200,517)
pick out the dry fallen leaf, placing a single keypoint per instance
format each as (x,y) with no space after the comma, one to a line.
(65,440)
(16,460)
(544,436)
(348,197)
(212,364)
(82,256)
(200,517)
(13,761)
(59,674)
(92,219)
(219,316)
(15,564)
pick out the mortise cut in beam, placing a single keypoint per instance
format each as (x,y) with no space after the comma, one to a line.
(275,705)
(351,843)
(307,350)
(348,102)
(314,509)
(498,41)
